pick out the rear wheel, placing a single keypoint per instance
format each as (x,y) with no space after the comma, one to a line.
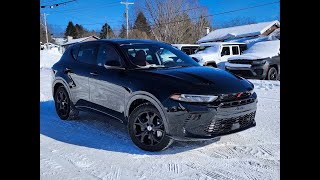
(146,128)
(62,103)
(272,73)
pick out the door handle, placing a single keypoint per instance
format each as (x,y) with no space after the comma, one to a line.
(67,70)
(94,73)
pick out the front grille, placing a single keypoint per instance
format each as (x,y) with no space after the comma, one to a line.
(237,103)
(234,96)
(245,73)
(240,61)
(229,124)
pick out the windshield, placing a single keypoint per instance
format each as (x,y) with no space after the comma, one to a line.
(207,49)
(157,55)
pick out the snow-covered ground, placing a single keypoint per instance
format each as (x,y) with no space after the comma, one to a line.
(97,147)
(49,57)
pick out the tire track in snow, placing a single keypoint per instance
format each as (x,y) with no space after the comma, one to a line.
(175,168)
(68,169)
(215,173)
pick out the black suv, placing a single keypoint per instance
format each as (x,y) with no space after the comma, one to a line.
(158,91)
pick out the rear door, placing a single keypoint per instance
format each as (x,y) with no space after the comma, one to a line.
(79,71)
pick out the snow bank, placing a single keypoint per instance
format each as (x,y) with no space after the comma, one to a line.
(260,50)
(49,57)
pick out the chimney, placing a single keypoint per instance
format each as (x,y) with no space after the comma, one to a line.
(208,30)
(69,38)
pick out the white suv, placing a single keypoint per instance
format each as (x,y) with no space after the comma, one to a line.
(216,54)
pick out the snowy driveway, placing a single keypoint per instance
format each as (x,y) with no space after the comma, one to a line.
(95,147)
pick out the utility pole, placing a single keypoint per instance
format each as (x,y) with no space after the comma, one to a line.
(127,15)
(45,25)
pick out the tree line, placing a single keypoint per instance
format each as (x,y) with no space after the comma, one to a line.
(171,21)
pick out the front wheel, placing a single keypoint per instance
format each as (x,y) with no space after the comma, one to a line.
(146,128)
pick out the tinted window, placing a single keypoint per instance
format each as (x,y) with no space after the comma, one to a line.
(157,55)
(235,50)
(74,51)
(107,55)
(225,51)
(88,53)
(193,50)
(186,50)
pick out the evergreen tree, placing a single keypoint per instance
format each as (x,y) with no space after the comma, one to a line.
(81,32)
(141,24)
(106,32)
(71,30)
(123,32)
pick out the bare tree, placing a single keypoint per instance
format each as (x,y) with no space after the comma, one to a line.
(175,21)
(238,21)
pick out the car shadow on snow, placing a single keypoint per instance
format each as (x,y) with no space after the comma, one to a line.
(99,132)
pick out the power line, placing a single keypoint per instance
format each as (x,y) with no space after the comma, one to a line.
(55,5)
(210,15)
(87,8)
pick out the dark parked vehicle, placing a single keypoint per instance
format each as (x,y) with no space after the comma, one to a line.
(261,61)
(161,93)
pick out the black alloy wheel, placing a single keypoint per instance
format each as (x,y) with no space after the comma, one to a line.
(147,129)
(272,74)
(62,103)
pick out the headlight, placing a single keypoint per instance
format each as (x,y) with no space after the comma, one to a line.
(193,98)
(258,62)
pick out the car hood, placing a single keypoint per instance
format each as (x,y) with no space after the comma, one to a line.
(208,80)
(246,57)
(205,57)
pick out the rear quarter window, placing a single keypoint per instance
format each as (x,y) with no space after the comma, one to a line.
(88,53)
(74,52)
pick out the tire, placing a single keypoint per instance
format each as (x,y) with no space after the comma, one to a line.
(272,74)
(146,128)
(62,103)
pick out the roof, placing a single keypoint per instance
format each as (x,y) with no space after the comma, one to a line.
(78,40)
(238,31)
(219,43)
(260,50)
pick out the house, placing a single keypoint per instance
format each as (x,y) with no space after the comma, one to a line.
(245,31)
(59,41)
(71,41)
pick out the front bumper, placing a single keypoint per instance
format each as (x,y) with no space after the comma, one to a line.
(255,72)
(199,122)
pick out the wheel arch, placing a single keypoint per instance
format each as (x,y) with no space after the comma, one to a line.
(145,96)
(58,82)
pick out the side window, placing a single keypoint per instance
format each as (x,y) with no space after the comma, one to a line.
(74,51)
(107,55)
(235,50)
(88,53)
(186,50)
(225,51)
(193,50)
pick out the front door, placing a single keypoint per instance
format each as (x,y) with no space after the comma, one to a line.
(225,54)
(106,90)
